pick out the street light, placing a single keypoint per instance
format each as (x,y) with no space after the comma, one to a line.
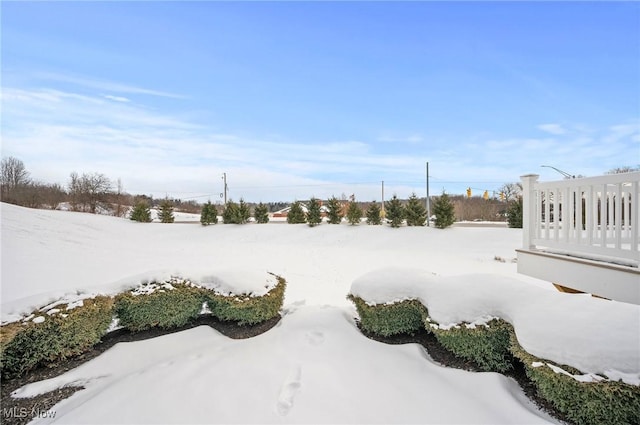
(564,173)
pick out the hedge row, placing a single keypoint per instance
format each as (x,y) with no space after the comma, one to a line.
(65,333)
(494,346)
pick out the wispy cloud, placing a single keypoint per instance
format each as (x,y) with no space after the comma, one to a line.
(555,129)
(116,98)
(102,85)
(55,132)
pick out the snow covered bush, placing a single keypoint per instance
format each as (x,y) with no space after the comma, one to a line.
(487,345)
(164,305)
(389,319)
(585,399)
(245,308)
(53,333)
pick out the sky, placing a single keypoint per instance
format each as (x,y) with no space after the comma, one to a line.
(298,99)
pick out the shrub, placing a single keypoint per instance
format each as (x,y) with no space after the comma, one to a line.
(354,213)
(209,214)
(243,213)
(163,308)
(373,214)
(230,213)
(296,215)
(487,346)
(66,333)
(334,213)
(443,209)
(390,319)
(314,216)
(261,213)
(514,213)
(588,403)
(141,213)
(415,212)
(245,309)
(166,212)
(395,212)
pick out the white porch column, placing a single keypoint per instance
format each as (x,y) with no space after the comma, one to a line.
(528,209)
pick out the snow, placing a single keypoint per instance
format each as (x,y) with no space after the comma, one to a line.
(314,366)
(590,334)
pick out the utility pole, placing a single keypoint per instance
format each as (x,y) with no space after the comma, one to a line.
(427,201)
(224,178)
(382,209)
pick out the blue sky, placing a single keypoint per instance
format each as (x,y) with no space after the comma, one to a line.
(300,99)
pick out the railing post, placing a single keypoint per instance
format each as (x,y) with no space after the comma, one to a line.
(528,209)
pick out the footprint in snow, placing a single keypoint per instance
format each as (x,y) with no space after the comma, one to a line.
(315,337)
(289,389)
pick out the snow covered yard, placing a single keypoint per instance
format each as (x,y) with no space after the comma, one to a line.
(315,366)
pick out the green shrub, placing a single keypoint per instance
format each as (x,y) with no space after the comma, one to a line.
(141,213)
(209,214)
(296,214)
(245,309)
(24,346)
(585,403)
(390,319)
(514,213)
(373,214)
(395,212)
(487,346)
(164,308)
(444,211)
(261,213)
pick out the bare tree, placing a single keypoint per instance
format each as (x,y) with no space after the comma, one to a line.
(88,191)
(511,191)
(13,175)
(624,169)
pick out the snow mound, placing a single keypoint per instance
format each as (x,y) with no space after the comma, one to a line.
(592,335)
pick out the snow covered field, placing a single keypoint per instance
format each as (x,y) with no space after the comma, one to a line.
(314,367)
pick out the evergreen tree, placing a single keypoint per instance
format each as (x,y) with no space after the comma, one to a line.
(141,213)
(395,212)
(166,212)
(354,213)
(514,213)
(334,215)
(416,212)
(296,215)
(243,213)
(209,214)
(444,211)
(313,213)
(261,213)
(230,213)
(373,214)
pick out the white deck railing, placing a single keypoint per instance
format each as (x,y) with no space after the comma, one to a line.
(594,218)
